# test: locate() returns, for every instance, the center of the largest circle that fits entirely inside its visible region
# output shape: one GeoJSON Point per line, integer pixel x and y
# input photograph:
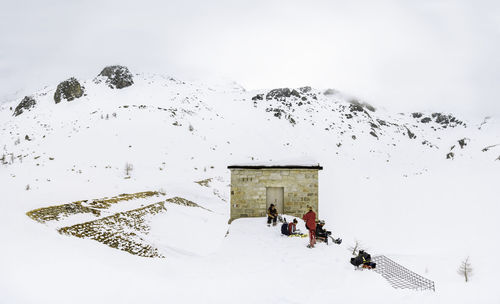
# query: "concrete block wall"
{"type": "Point", "coordinates": [248, 190]}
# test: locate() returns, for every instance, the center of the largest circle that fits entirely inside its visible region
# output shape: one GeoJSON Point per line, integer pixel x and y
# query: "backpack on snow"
{"type": "Point", "coordinates": [284, 229]}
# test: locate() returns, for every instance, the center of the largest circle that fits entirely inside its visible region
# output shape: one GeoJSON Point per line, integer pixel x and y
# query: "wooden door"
{"type": "Point", "coordinates": [274, 195]}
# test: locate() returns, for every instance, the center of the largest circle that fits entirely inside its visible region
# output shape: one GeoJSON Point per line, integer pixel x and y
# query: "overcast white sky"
{"type": "Point", "coordinates": [401, 55]}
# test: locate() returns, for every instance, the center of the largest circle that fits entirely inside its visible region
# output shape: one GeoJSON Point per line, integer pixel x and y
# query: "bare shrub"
{"type": "Point", "coordinates": [128, 168]}
{"type": "Point", "coordinates": [355, 248]}
{"type": "Point", "coordinates": [465, 269]}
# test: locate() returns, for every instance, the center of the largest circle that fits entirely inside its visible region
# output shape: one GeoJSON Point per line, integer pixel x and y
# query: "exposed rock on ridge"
{"type": "Point", "coordinates": [115, 76]}
{"type": "Point", "coordinates": [69, 89]}
{"type": "Point", "coordinates": [27, 103]}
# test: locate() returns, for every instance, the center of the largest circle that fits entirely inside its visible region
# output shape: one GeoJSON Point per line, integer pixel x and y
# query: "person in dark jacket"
{"type": "Point", "coordinates": [272, 215]}
{"type": "Point", "coordinates": [310, 219]}
{"type": "Point", "coordinates": [323, 234]}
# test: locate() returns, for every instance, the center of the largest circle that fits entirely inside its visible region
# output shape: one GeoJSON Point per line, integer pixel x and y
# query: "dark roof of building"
{"type": "Point", "coordinates": [317, 167]}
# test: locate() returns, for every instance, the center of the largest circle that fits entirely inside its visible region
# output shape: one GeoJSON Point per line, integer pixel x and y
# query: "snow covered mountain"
{"type": "Point", "coordinates": [419, 187]}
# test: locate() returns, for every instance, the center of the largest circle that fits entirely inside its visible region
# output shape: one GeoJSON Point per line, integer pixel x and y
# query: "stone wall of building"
{"type": "Point", "coordinates": [248, 190]}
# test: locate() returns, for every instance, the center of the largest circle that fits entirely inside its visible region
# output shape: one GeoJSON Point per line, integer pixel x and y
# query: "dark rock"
{"type": "Point", "coordinates": [372, 133]}
{"type": "Point", "coordinates": [425, 120]}
{"type": "Point", "coordinates": [450, 155]}
{"type": "Point", "coordinates": [348, 116]}
{"type": "Point", "coordinates": [355, 108]}
{"type": "Point", "coordinates": [258, 97]}
{"type": "Point", "coordinates": [69, 90]}
{"type": "Point", "coordinates": [417, 115]}
{"type": "Point", "coordinates": [305, 90]}
{"type": "Point", "coordinates": [282, 93]}
{"type": "Point", "coordinates": [27, 103]}
{"type": "Point", "coordinates": [446, 120]}
{"type": "Point", "coordinates": [411, 135]}
{"type": "Point", "coordinates": [463, 142]}
{"type": "Point", "coordinates": [373, 125]}
{"type": "Point", "coordinates": [116, 77]}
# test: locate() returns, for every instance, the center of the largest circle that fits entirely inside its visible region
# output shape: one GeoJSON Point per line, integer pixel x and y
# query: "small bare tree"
{"type": "Point", "coordinates": [128, 168]}
{"type": "Point", "coordinates": [27, 187]}
{"type": "Point", "coordinates": [465, 269]}
{"type": "Point", "coordinates": [355, 248]}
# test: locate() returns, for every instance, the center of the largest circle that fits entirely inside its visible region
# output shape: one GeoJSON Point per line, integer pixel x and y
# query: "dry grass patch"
{"type": "Point", "coordinates": [184, 202]}
{"type": "Point", "coordinates": [56, 213]}
{"type": "Point", "coordinates": [204, 182]}
{"type": "Point", "coordinates": [123, 230]}
{"type": "Point", "coordinates": [105, 203]}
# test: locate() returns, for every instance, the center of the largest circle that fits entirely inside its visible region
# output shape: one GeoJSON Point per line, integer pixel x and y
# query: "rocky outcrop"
{"type": "Point", "coordinates": [115, 76]}
{"type": "Point", "coordinates": [27, 103]}
{"type": "Point", "coordinates": [356, 105]}
{"type": "Point", "coordinates": [69, 89]}
{"type": "Point", "coordinates": [443, 120]}
{"type": "Point", "coordinates": [411, 135]}
{"type": "Point", "coordinates": [281, 94]}
{"type": "Point", "coordinates": [463, 142]}
{"type": "Point", "coordinates": [258, 97]}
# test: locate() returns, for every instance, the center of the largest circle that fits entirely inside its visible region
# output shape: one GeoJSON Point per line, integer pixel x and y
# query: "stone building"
{"type": "Point", "coordinates": [290, 188]}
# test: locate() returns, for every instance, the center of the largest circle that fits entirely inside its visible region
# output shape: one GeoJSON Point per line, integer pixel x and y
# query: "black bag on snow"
{"type": "Point", "coordinates": [284, 229]}
{"type": "Point", "coordinates": [356, 261]}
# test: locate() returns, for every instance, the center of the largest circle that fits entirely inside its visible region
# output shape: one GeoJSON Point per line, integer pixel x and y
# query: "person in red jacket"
{"type": "Point", "coordinates": [310, 219]}
{"type": "Point", "coordinates": [292, 227]}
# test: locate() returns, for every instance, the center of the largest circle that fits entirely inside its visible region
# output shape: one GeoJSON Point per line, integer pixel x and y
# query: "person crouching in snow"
{"type": "Point", "coordinates": [272, 215]}
{"type": "Point", "coordinates": [310, 219]}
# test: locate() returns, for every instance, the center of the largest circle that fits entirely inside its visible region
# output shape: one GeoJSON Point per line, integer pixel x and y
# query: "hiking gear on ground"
{"type": "Point", "coordinates": [284, 229]}
{"type": "Point", "coordinates": [363, 259]}
{"type": "Point", "coordinates": [301, 235]}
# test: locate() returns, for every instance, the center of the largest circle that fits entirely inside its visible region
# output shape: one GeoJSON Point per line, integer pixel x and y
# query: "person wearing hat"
{"type": "Point", "coordinates": [272, 215]}
{"type": "Point", "coordinates": [310, 219]}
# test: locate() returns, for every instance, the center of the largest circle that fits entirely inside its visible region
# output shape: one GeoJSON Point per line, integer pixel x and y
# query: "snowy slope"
{"type": "Point", "coordinates": [394, 190]}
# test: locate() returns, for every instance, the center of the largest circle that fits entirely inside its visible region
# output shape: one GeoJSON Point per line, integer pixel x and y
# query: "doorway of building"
{"type": "Point", "coordinates": [274, 195]}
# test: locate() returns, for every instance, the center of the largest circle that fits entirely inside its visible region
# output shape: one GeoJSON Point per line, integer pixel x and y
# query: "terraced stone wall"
{"type": "Point", "coordinates": [248, 190]}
